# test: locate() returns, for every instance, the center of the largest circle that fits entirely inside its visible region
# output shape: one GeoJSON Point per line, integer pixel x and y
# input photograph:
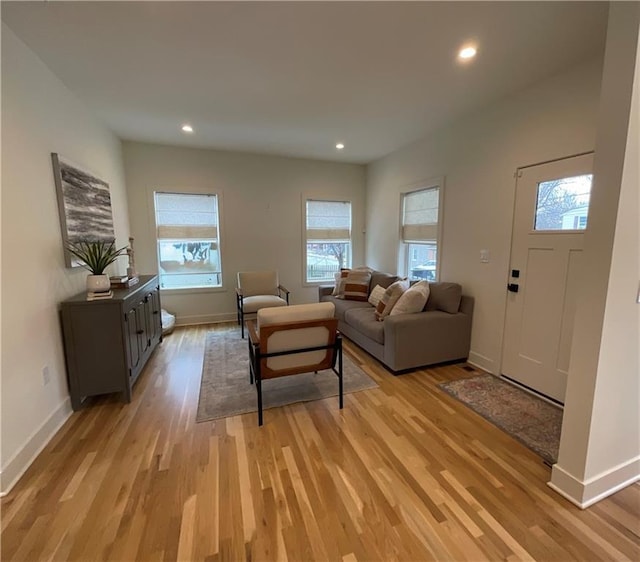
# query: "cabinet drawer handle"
{"type": "Point", "coordinates": [155, 312]}
{"type": "Point", "coordinates": [140, 332]}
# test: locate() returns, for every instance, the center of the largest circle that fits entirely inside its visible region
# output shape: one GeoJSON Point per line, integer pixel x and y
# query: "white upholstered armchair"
{"type": "Point", "coordinates": [297, 339]}
{"type": "Point", "coordinates": [256, 290]}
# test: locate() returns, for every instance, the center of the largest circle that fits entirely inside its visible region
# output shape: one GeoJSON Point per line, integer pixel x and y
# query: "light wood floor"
{"type": "Point", "coordinates": [404, 472]}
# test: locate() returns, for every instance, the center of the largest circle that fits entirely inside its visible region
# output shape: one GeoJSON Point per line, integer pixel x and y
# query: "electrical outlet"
{"type": "Point", "coordinates": [46, 376]}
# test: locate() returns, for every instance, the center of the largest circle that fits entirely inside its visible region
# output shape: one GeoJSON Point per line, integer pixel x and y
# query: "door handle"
{"type": "Point", "coordinates": [512, 287]}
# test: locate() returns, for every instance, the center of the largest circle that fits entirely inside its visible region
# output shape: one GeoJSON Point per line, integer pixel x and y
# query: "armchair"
{"type": "Point", "coordinates": [289, 341]}
{"type": "Point", "coordinates": [256, 290]}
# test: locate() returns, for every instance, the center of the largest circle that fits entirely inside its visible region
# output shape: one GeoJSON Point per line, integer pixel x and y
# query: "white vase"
{"type": "Point", "coordinates": [98, 283]}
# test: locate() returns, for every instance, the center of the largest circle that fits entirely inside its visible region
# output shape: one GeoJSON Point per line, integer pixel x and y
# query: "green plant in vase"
{"type": "Point", "coordinates": [95, 256]}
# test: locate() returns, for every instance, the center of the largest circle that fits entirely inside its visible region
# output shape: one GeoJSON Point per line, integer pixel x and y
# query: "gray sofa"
{"type": "Point", "coordinates": [438, 334]}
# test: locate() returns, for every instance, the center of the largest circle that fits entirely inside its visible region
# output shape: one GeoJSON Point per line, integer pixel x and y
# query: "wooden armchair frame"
{"type": "Point", "coordinates": [259, 354]}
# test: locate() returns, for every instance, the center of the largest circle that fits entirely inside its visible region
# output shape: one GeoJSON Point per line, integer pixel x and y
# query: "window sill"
{"type": "Point", "coordinates": [192, 291]}
{"type": "Point", "coordinates": [327, 283]}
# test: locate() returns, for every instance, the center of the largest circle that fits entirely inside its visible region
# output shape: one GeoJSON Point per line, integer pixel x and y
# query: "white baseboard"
{"type": "Point", "coordinates": [21, 461]}
{"type": "Point", "coordinates": [482, 362]}
{"type": "Point", "coordinates": [584, 493]}
{"type": "Point", "coordinates": [205, 319]}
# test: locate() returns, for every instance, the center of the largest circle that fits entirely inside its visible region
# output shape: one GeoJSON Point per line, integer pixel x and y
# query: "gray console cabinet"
{"type": "Point", "coordinates": [108, 342]}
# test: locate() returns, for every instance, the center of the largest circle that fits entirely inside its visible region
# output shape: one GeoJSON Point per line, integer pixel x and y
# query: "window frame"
{"type": "Point", "coordinates": [305, 240]}
{"type": "Point", "coordinates": [405, 245]}
{"type": "Point", "coordinates": [220, 237]}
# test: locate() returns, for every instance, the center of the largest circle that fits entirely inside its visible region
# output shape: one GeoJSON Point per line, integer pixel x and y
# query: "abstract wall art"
{"type": "Point", "coordinates": [84, 203]}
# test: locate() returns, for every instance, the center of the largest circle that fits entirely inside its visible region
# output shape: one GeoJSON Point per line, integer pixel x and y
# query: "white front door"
{"type": "Point", "coordinates": [551, 214]}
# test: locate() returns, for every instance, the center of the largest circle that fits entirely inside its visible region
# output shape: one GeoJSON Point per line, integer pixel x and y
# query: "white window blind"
{"type": "Point", "coordinates": [420, 215]}
{"type": "Point", "coordinates": [188, 240]}
{"type": "Point", "coordinates": [186, 216]}
{"type": "Point", "coordinates": [328, 221]}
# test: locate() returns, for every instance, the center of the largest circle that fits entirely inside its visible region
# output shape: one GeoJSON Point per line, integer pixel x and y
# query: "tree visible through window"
{"type": "Point", "coordinates": [563, 204]}
{"type": "Point", "coordinates": [188, 240]}
{"type": "Point", "coordinates": [328, 239]}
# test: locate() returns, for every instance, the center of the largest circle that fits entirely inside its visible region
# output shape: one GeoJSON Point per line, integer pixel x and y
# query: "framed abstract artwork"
{"type": "Point", "coordinates": [84, 203]}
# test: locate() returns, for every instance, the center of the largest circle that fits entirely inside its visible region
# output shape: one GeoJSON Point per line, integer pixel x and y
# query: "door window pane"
{"type": "Point", "coordinates": [563, 204]}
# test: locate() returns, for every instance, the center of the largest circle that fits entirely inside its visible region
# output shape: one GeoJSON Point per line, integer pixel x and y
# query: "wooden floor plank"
{"type": "Point", "coordinates": [404, 472]}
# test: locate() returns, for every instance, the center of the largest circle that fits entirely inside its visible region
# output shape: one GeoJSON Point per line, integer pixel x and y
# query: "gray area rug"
{"type": "Point", "coordinates": [531, 420]}
{"type": "Point", "coordinates": [225, 389]}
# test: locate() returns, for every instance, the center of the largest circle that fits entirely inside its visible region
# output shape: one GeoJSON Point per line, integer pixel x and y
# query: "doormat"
{"type": "Point", "coordinates": [225, 389]}
{"type": "Point", "coordinates": [529, 419]}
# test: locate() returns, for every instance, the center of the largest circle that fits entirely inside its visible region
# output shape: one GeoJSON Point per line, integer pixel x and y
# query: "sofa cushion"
{"type": "Point", "coordinates": [412, 300]}
{"type": "Point", "coordinates": [382, 279]}
{"type": "Point", "coordinates": [444, 296]}
{"type": "Point", "coordinates": [390, 297]}
{"type": "Point", "coordinates": [364, 320]}
{"type": "Point", "coordinates": [343, 305]}
{"type": "Point", "coordinates": [253, 304]}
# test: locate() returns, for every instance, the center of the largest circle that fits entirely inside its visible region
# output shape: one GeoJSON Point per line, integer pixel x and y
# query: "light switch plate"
{"type": "Point", "coordinates": [485, 256]}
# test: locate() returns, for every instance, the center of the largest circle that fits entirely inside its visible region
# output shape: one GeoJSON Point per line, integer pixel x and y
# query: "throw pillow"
{"type": "Point", "coordinates": [412, 300]}
{"type": "Point", "coordinates": [390, 297]}
{"type": "Point", "coordinates": [338, 287]}
{"type": "Point", "coordinates": [444, 296]}
{"type": "Point", "coordinates": [382, 279]}
{"type": "Point", "coordinates": [376, 294]}
{"type": "Point", "coordinates": [355, 286]}
{"type": "Point", "coordinates": [340, 276]}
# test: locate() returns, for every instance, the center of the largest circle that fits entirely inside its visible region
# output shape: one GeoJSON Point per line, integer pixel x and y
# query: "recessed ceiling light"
{"type": "Point", "coordinates": [339, 146]}
{"type": "Point", "coordinates": [187, 128]}
{"type": "Point", "coordinates": [467, 53]}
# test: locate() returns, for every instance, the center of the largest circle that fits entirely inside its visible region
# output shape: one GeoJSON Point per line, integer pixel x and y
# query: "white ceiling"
{"type": "Point", "coordinates": [294, 78]}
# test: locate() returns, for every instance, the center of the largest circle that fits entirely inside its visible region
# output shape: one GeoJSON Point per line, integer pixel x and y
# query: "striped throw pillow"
{"type": "Point", "coordinates": [390, 298]}
{"type": "Point", "coordinates": [354, 285]}
{"type": "Point", "coordinates": [339, 285]}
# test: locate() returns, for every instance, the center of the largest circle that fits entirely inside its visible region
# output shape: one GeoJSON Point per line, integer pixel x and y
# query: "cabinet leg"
{"type": "Point", "coordinates": [76, 403]}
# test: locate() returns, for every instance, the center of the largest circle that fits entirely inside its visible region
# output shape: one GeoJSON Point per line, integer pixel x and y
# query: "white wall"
{"type": "Point", "coordinates": [39, 116]}
{"type": "Point", "coordinates": [478, 157]}
{"type": "Point", "coordinates": [600, 443]}
{"type": "Point", "coordinates": [617, 403]}
{"type": "Point", "coordinates": [261, 215]}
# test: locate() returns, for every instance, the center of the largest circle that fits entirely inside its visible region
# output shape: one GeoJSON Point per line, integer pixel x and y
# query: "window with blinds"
{"type": "Point", "coordinates": [327, 239]}
{"type": "Point", "coordinates": [420, 232]}
{"type": "Point", "coordinates": [188, 240]}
